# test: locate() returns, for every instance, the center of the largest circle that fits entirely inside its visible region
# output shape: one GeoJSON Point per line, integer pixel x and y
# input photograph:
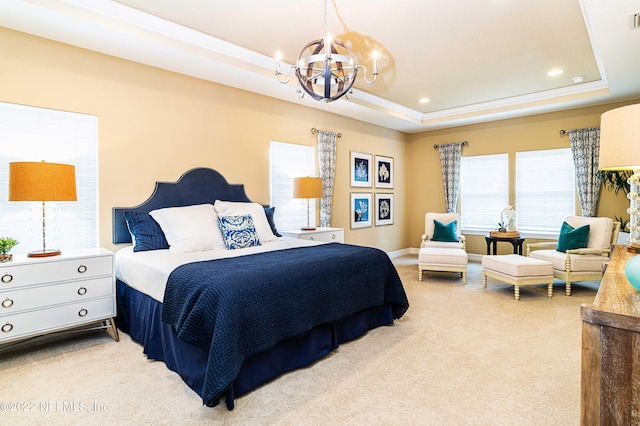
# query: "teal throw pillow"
{"type": "Point", "coordinates": [571, 239]}
{"type": "Point", "coordinates": [445, 233]}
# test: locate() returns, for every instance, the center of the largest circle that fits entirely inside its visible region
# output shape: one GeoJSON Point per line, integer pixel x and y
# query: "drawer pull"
{"type": "Point", "coordinates": [83, 312]}
{"type": "Point", "coordinates": [82, 269]}
{"type": "Point", "coordinates": [7, 328]}
{"type": "Point", "coordinates": [82, 291]}
{"type": "Point", "coordinates": [311, 239]}
{"type": "Point", "coordinates": [333, 236]}
{"type": "Point", "coordinates": [7, 303]}
{"type": "Point", "coordinates": [7, 278]}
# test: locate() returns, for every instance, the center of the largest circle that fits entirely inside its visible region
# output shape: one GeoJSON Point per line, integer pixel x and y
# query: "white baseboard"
{"type": "Point", "coordinates": [403, 252]}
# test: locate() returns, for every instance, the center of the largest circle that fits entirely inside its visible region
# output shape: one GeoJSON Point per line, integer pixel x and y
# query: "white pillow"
{"type": "Point", "coordinates": [230, 208]}
{"type": "Point", "coordinates": [600, 229]}
{"type": "Point", "coordinates": [190, 229]}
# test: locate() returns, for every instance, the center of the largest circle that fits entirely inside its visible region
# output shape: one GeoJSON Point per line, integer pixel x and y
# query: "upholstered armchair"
{"type": "Point", "coordinates": [574, 260]}
{"type": "Point", "coordinates": [443, 247]}
{"type": "Point", "coordinates": [445, 219]}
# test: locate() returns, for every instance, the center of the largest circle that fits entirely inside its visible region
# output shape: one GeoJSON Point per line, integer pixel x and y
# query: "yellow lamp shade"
{"type": "Point", "coordinates": [307, 187]}
{"type": "Point", "coordinates": [32, 181]}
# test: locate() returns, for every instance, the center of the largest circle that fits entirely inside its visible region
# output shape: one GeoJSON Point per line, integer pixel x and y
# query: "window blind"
{"type": "Point", "coordinates": [545, 189]}
{"type": "Point", "coordinates": [35, 134]}
{"type": "Point", "coordinates": [288, 161]}
{"type": "Point", "coordinates": [484, 190]}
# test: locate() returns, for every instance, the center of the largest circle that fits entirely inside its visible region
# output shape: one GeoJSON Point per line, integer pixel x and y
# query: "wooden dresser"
{"type": "Point", "coordinates": [611, 349]}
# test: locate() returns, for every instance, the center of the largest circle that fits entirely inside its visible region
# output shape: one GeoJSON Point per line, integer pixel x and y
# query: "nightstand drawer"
{"type": "Point", "coordinates": [45, 320]}
{"type": "Point", "coordinates": [329, 236]}
{"type": "Point", "coordinates": [14, 301]}
{"type": "Point", "coordinates": [40, 272]}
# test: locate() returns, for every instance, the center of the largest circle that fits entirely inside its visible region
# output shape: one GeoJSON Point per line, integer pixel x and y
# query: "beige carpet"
{"type": "Point", "coordinates": [460, 356]}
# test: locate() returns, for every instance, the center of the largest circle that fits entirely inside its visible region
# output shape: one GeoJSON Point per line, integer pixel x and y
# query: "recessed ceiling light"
{"type": "Point", "coordinates": [424, 100]}
{"type": "Point", "coordinates": [554, 73]}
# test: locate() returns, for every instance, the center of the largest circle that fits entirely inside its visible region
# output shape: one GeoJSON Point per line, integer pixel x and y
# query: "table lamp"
{"type": "Point", "coordinates": [620, 150]}
{"type": "Point", "coordinates": [32, 181]}
{"type": "Point", "coordinates": [307, 187]}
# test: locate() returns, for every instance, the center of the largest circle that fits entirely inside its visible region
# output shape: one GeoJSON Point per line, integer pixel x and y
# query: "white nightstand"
{"type": "Point", "coordinates": [51, 294]}
{"type": "Point", "coordinates": [335, 235]}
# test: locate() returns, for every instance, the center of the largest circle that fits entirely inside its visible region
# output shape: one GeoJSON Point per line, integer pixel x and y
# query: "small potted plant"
{"type": "Point", "coordinates": [617, 181]}
{"type": "Point", "coordinates": [6, 244]}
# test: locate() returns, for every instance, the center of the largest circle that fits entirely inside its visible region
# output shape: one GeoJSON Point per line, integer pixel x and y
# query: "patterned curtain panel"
{"type": "Point", "coordinates": [327, 161]}
{"type": "Point", "coordinates": [450, 162]}
{"type": "Point", "coordinates": [585, 146]}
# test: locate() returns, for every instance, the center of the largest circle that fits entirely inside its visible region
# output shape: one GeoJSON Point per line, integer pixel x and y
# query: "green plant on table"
{"type": "Point", "coordinates": [617, 181]}
{"type": "Point", "coordinates": [623, 222]}
{"type": "Point", "coordinates": [6, 244]}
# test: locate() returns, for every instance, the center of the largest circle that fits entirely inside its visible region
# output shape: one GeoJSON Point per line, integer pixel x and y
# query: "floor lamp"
{"type": "Point", "coordinates": [307, 187]}
{"type": "Point", "coordinates": [31, 181]}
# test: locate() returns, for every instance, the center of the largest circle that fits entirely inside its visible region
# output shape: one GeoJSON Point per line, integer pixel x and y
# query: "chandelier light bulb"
{"type": "Point", "coordinates": [375, 61]}
{"type": "Point", "coordinates": [278, 57]}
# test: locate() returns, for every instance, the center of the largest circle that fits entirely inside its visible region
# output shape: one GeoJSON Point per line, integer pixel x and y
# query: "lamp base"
{"type": "Point", "coordinates": [308, 228]}
{"type": "Point", "coordinates": [633, 249]}
{"type": "Point", "coordinates": [44, 253]}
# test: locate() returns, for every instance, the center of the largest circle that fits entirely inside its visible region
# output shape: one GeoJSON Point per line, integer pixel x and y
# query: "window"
{"type": "Point", "coordinates": [545, 189]}
{"type": "Point", "coordinates": [36, 134]}
{"type": "Point", "coordinates": [484, 186]}
{"type": "Point", "coordinates": [286, 162]}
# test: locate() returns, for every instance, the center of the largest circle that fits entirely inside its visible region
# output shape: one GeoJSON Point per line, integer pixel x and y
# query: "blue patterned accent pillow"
{"type": "Point", "coordinates": [147, 234]}
{"type": "Point", "coordinates": [238, 231]}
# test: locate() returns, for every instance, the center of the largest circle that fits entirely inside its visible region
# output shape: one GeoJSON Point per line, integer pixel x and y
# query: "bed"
{"type": "Point", "coordinates": [230, 316]}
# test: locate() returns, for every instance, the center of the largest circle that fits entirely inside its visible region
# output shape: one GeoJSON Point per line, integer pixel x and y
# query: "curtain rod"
{"type": "Point", "coordinates": [562, 132]}
{"type": "Point", "coordinates": [314, 131]}
{"type": "Point", "coordinates": [463, 143]}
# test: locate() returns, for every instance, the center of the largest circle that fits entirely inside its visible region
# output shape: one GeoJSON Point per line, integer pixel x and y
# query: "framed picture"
{"type": "Point", "coordinates": [361, 169]}
{"type": "Point", "coordinates": [361, 210]}
{"type": "Point", "coordinates": [384, 209]}
{"type": "Point", "coordinates": [384, 172]}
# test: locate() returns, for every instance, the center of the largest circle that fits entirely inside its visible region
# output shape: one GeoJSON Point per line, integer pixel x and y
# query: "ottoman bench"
{"type": "Point", "coordinates": [443, 260]}
{"type": "Point", "coordinates": [517, 270]}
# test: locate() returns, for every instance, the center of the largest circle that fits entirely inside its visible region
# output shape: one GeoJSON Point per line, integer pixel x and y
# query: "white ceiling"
{"type": "Point", "coordinates": [477, 60]}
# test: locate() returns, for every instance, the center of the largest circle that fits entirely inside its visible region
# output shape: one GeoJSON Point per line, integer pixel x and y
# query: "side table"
{"type": "Point", "coordinates": [331, 235]}
{"type": "Point", "coordinates": [493, 241]}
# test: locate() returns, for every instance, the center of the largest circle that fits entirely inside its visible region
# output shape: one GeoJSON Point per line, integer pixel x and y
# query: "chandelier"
{"type": "Point", "coordinates": [326, 69]}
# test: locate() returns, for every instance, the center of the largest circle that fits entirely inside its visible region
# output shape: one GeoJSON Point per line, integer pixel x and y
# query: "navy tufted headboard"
{"type": "Point", "coordinates": [196, 186]}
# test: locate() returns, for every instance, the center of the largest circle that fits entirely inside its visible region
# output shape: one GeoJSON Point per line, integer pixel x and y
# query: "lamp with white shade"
{"type": "Point", "coordinates": [620, 150]}
{"type": "Point", "coordinates": [307, 187]}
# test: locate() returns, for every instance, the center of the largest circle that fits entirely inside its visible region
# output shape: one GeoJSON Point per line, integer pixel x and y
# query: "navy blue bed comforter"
{"type": "Point", "coordinates": [237, 307]}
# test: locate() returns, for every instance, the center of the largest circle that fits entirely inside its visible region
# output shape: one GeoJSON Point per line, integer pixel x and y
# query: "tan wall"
{"type": "Point", "coordinates": [424, 178]}
{"type": "Point", "coordinates": [155, 125]}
